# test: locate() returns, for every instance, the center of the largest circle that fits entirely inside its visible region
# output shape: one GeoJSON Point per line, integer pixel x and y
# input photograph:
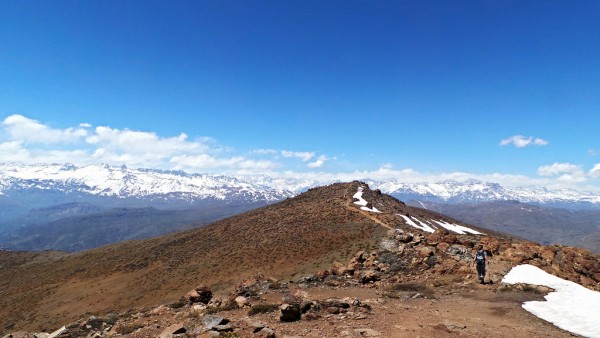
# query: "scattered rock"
{"type": "Point", "coordinates": [200, 294]}
{"type": "Point", "coordinates": [426, 251]}
{"type": "Point", "coordinates": [255, 325]}
{"type": "Point", "coordinates": [290, 312]}
{"type": "Point", "coordinates": [367, 333]}
{"type": "Point", "coordinates": [223, 328]}
{"type": "Point", "coordinates": [58, 332]}
{"type": "Point", "coordinates": [210, 321]}
{"type": "Point", "coordinates": [367, 276]}
{"type": "Point", "coordinates": [241, 301]}
{"type": "Point", "coordinates": [265, 333]}
{"type": "Point", "coordinates": [172, 330]}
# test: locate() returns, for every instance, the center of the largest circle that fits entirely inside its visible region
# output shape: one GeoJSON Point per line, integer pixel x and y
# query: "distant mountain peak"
{"type": "Point", "coordinates": [475, 191]}
{"type": "Point", "coordinates": [123, 182]}
{"type": "Point", "coordinates": [103, 180]}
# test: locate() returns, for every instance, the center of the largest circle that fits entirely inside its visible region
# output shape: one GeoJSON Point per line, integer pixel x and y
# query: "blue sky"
{"type": "Point", "coordinates": [379, 88]}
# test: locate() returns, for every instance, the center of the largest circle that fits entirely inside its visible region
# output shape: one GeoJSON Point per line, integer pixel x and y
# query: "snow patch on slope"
{"type": "Point", "coordinates": [422, 225]}
{"type": "Point", "coordinates": [362, 202]}
{"type": "Point", "coordinates": [571, 306]}
{"type": "Point", "coordinates": [459, 229]}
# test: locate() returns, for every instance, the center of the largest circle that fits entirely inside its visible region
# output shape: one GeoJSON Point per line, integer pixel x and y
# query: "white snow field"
{"type": "Point", "coordinates": [362, 202]}
{"type": "Point", "coordinates": [571, 306]}
{"type": "Point", "coordinates": [422, 226]}
{"type": "Point", "coordinates": [459, 229]}
{"type": "Point", "coordinates": [426, 225]}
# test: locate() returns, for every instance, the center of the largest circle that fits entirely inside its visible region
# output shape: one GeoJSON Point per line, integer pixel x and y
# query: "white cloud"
{"type": "Point", "coordinates": [593, 152]}
{"type": "Point", "coordinates": [29, 141]}
{"type": "Point", "coordinates": [318, 163]}
{"type": "Point", "coordinates": [558, 168]}
{"type": "Point", "coordinates": [264, 151]}
{"type": "Point", "coordinates": [303, 155]}
{"type": "Point", "coordinates": [521, 141]}
{"type": "Point", "coordinates": [204, 162]}
{"type": "Point", "coordinates": [595, 171]}
{"type": "Point", "coordinates": [15, 151]}
{"type": "Point", "coordinates": [12, 151]}
{"type": "Point", "coordinates": [23, 140]}
{"type": "Point", "coordinates": [21, 128]}
{"type": "Point", "coordinates": [565, 172]}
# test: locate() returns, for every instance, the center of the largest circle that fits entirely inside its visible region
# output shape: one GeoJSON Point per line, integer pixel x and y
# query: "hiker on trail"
{"type": "Point", "coordinates": [479, 262]}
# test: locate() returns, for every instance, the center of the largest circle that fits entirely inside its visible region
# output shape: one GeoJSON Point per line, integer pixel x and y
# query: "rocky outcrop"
{"type": "Point", "coordinates": [200, 294]}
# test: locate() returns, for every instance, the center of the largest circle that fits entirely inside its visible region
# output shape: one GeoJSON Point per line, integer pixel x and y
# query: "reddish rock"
{"type": "Point", "coordinates": [450, 239]}
{"type": "Point", "coordinates": [321, 274]}
{"type": "Point", "coordinates": [490, 244]}
{"type": "Point", "coordinates": [173, 330]}
{"type": "Point", "coordinates": [367, 276]}
{"type": "Point", "coordinates": [443, 246]}
{"type": "Point", "coordinates": [548, 254]}
{"type": "Point", "coordinates": [333, 310]}
{"type": "Point", "coordinates": [200, 294]}
{"type": "Point", "coordinates": [338, 269]}
{"type": "Point", "coordinates": [426, 251]}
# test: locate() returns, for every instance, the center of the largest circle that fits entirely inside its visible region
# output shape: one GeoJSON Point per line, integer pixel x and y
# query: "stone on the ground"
{"type": "Point", "coordinates": [265, 333]}
{"type": "Point", "coordinates": [241, 301]}
{"type": "Point", "coordinates": [172, 330]}
{"type": "Point", "coordinates": [290, 312]}
{"type": "Point", "coordinates": [58, 332]}
{"type": "Point", "coordinates": [210, 321]}
{"type": "Point", "coordinates": [200, 294]}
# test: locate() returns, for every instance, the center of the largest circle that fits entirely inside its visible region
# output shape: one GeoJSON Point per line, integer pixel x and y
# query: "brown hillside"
{"type": "Point", "coordinates": [288, 240]}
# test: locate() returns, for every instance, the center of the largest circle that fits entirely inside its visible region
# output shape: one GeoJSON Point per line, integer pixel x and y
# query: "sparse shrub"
{"type": "Point", "coordinates": [277, 286]}
{"type": "Point", "coordinates": [431, 260]}
{"type": "Point", "coordinates": [312, 316]}
{"type": "Point", "coordinates": [72, 325]}
{"type": "Point", "coordinates": [402, 289]}
{"type": "Point", "coordinates": [111, 319]}
{"type": "Point", "coordinates": [228, 335]}
{"type": "Point", "coordinates": [176, 305]}
{"type": "Point", "coordinates": [127, 329]}
{"type": "Point", "coordinates": [394, 261]}
{"type": "Point", "coordinates": [226, 307]}
{"type": "Point", "coordinates": [407, 287]}
{"type": "Point", "coordinates": [262, 308]}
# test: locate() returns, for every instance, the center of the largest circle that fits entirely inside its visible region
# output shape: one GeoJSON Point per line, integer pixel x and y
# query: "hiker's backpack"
{"type": "Point", "coordinates": [480, 257]}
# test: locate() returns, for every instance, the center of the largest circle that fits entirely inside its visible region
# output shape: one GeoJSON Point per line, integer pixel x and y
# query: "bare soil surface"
{"type": "Point", "coordinates": [460, 310]}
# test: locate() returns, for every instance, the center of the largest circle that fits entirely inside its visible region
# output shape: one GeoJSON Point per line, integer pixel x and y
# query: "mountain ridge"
{"type": "Point", "coordinates": [290, 238]}
{"type": "Point", "coordinates": [178, 186]}
{"type": "Point", "coordinates": [342, 239]}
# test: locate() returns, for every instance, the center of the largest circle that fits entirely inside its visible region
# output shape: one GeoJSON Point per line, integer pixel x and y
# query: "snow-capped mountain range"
{"type": "Point", "coordinates": [474, 191]}
{"type": "Point", "coordinates": [147, 184]}
{"type": "Point", "coordinates": [122, 182]}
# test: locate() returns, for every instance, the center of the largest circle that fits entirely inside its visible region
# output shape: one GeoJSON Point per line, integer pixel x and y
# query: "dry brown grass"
{"type": "Point", "coordinates": [290, 238]}
{"type": "Point", "coordinates": [286, 240]}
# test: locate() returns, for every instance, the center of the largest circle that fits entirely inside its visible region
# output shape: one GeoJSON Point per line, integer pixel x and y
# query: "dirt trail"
{"type": "Point", "coordinates": [461, 309]}
{"type": "Point", "coordinates": [351, 206]}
